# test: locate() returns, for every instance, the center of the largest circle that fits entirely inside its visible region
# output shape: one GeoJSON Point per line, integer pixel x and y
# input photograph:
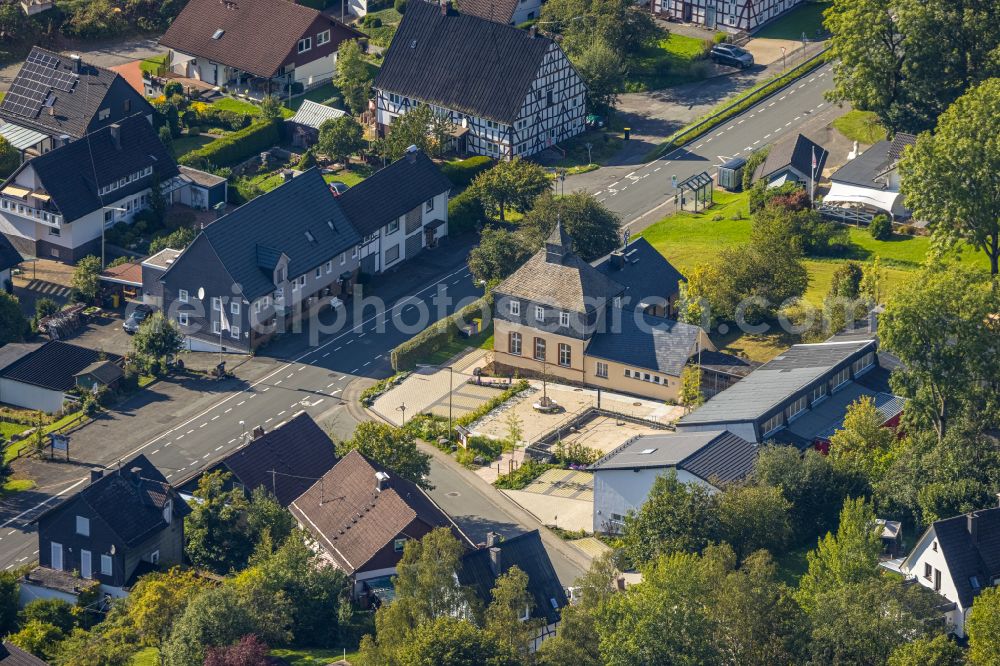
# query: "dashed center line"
{"type": "Point", "coordinates": [154, 452]}
{"type": "Point", "coordinates": [218, 447]}
{"type": "Point", "coordinates": [215, 417]}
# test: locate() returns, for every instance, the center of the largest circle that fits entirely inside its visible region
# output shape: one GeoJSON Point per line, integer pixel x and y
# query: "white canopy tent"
{"type": "Point", "coordinates": [865, 196]}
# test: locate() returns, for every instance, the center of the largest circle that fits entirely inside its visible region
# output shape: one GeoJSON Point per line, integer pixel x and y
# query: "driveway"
{"type": "Point", "coordinates": [102, 54]}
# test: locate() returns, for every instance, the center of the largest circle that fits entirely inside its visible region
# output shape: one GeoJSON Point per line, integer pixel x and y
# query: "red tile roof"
{"type": "Point", "coordinates": [130, 273]}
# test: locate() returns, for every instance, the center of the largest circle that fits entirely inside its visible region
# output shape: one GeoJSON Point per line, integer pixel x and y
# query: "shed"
{"type": "Point", "coordinates": [123, 281]}
{"type": "Point", "coordinates": [38, 377]}
{"type": "Point", "coordinates": [792, 160]}
{"type": "Point", "coordinates": [205, 190]}
{"type": "Point", "coordinates": [304, 126]}
{"type": "Point", "coordinates": [731, 174]}
{"type": "Point", "coordinates": [98, 374]}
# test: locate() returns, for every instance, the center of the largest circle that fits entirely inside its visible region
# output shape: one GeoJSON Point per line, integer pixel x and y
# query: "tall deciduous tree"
{"type": "Point", "coordinates": [574, 644]}
{"type": "Point", "coordinates": [983, 627]}
{"type": "Point", "coordinates": [390, 447]}
{"type": "Point", "coordinates": [623, 25]}
{"type": "Point", "coordinates": [410, 129]}
{"type": "Point", "coordinates": [217, 537]}
{"type": "Point", "coordinates": [937, 651]}
{"type": "Point", "coordinates": [339, 138]}
{"type": "Point", "coordinates": [949, 176]}
{"type": "Point", "coordinates": [157, 338]}
{"type": "Point", "coordinates": [863, 446]}
{"type": "Point", "coordinates": [85, 278]}
{"type": "Point", "coordinates": [603, 70]}
{"type": "Point", "coordinates": [595, 230]}
{"type": "Point", "coordinates": [353, 76]}
{"type": "Point", "coordinates": [941, 326]}
{"type": "Point", "coordinates": [447, 640]}
{"type": "Point", "coordinates": [691, 395]}
{"type": "Point", "coordinates": [500, 252]}
{"type": "Point", "coordinates": [13, 324]}
{"type": "Point", "coordinates": [511, 184]}
{"type": "Point", "coordinates": [10, 158]}
{"type": "Point", "coordinates": [753, 518]}
{"type": "Point", "coordinates": [157, 600]}
{"type": "Point", "coordinates": [504, 616]}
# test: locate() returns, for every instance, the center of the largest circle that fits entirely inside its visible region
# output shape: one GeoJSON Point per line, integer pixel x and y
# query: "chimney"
{"type": "Point", "coordinates": [972, 524]}
{"type": "Point", "coordinates": [96, 474]}
{"type": "Point", "coordinates": [411, 154]}
{"type": "Point", "coordinates": [445, 7]}
{"type": "Point", "coordinates": [135, 474]}
{"type": "Point", "coordinates": [492, 539]}
{"type": "Point", "coordinates": [532, 31]}
{"type": "Point", "coordinates": [220, 209]}
{"type": "Point", "coordinates": [620, 583]}
{"type": "Point", "coordinates": [381, 481]}
{"type": "Point", "coordinates": [77, 63]}
{"type": "Point", "coordinates": [617, 260]}
{"type": "Point", "coordinates": [52, 110]}
{"type": "Point", "coordinates": [116, 135]}
{"type": "Point", "coordinates": [286, 175]}
{"type": "Point", "coordinates": [495, 561]}
{"type": "Point", "coordinates": [257, 433]}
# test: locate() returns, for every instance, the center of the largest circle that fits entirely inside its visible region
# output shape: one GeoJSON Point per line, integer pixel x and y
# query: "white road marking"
{"type": "Point", "coordinates": [771, 104]}
{"type": "Point", "coordinates": [326, 354]}
{"type": "Point", "coordinates": [629, 175]}
{"type": "Point", "coordinates": [215, 417]}
{"type": "Point", "coordinates": [699, 146]}
{"type": "Point", "coordinates": [282, 412]}
{"type": "Point", "coordinates": [179, 438]}
{"type": "Point", "coordinates": [240, 403]}
{"type": "Point", "coordinates": [231, 441]}
{"type": "Point", "coordinates": [378, 357]}
{"type": "Point", "coordinates": [189, 431]}
{"type": "Point", "coordinates": [742, 121]}
{"type": "Point", "coordinates": [756, 142]}
{"type": "Point", "coordinates": [766, 135]}
{"type": "Point", "coordinates": [290, 375]}
{"type": "Point", "coordinates": [349, 342]}
{"type": "Point", "coordinates": [264, 390]}
{"type": "Point", "coordinates": [154, 452]}
{"type": "Point", "coordinates": [278, 382]}
{"type": "Point", "coordinates": [338, 349]}
{"type": "Point", "coordinates": [342, 378]}
{"type": "Point", "coordinates": [657, 169]}
{"type": "Point", "coordinates": [205, 456]}
{"type": "Point", "coordinates": [331, 384]}
{"type": "Point", "coordinates": [203, 424]}
{"type": "Point", "coordinates": [218, 447]}
{"type": "Point", "coordinates": [720, 133]}
{"type": "Point", "coordinates": [269, 420]}
{"type": "Point", "coordinates": [366, 364]}
{"type": "Point", "coordinates": [228, 410]}
{"type": "Point", "coordinates": [336, 392]}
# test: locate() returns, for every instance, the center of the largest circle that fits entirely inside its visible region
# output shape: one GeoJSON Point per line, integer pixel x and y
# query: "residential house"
{"type": "Point", "coordinates": [398, 211]}
{"type": "Point", "coordinates": [515, 98]}
{"type": "Point", "coordinates": [511, 12]}
{"type": "Point", "coordinates": [792, 160]}
{"type": "Point", "coordinates": [255, 46]}
{"type": "Point", "coordinates": [869, 184]}
{"type": "Point", "coordinates": [125, 522]}
{"type": "Point", "coordinates": [38, 376]}
{"type": "Point", "coordinates": [801, 396]}
{"type": "Point", "coordinates": [651, 283]}
{"type": "Point", "coordinates": [480, 569]}
{"type": "Point", "coordinates": [253, 272]}
{"type": "Point", "coordinates": [362, 515]}
{"type": "Point", "coordinates": [56, 99]}
{"type": "Point", "coordinates": [624, 477]}
{"type": "Point", "coordinates": [153, 268]}
{"type": "Point", "coordinates": [731, 15]}
{"type": "Point", "coordinates": [56, 205]}
{"type": "Point", "coordinates": [286, 460]}
{"type": "Point", "coordinates": [10, 259]}
{"type": "Point", "coordinates": [958, 558]}
{"type": "Point", "coordinates": [11, 655]}
{"type": "Point", "coordinates": [197, 189]}
{"type": "Point", "coordinates": [559, 316]}
{"type": "Point", "coordinates": [303, 127]}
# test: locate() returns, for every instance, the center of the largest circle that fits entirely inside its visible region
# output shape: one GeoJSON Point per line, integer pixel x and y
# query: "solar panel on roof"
{"type": "Point", "coordinates": [38, 76]}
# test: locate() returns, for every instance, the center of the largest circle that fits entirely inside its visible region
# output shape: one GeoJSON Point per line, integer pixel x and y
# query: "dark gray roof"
{"type": "Point", "coordinates": [462, 62]}
{"type": "Point", "coordinates": [54, 365]}
{"type": "Point", "coordinates": [104, 371]}
{"type": "Point", "coordinates": [73, 174]}
{"type": "Point", "coordinates": [773, 383]}
{"type": "Point", "coordinates": [796, 153]}
{"type": "Point", "coordinates": [556, 276]}
{"type": "Point", "coordinates": [15, 351]}
{"type": "Point", "coordinates": [865, 168]}
{"type": "Point", "coordinates": [11, 655]}
{"type": "Point", "coordinates": [528, 554]}
{"type": "Point", "coordinates": [644, 272]}
{"type": "Point", "coordinates": [9, 256]}
{"type": "Point", "coordinates": [827, 417]}
{"type": "Point", "coordinates": [968, 558]}
{"type": "Point", "coordinates": [646, 342]}
{"type": "Point", "coordinates": [899, 143]}
{"type": "Point", "coordinates": [275, 223]}
{"type": "Point", "coordinates": [48, 78]}
{"type": "Point", "coordinates": [708, 454]}
{"type": "Point", "coordinates": [501, 11]}
{"type": "Point", "coordinates": [299, 452]}
{"type": "Point", "coordinates": [394, 191]}
{"type": "Point", "coordinates": [132, 508]}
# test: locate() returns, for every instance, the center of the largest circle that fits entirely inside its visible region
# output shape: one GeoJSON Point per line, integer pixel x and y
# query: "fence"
{"type": "Point", "coordinates": [541, 448]}
{"type": "Point", "coordinates": [855, 216]}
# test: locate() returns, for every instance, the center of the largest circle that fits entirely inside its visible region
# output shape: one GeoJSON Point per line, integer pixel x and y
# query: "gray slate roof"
{"type": "Point", "coordinates": [11, 655]}
{"type": "Point", "coordinates": [557, 277]}
{"type": "Point", "coordinates": [864, 168]}
{"type": "Point", "coordinates": [462, 62]}
{"type": "Point", "coordinates": [773, 383]}
{"type": "Point", "coordinates": [826, 418]}
{"type": "Point", "coordinates": [968, 558]}
{"type": "Point", "coordinates": [645, 273]}
{"type": "Point", "coordinates": [104, 371]}
{"type": "Point", "coordinates": [313, 114]}
{"type": "Point", "coordinates": [68, 173]}
{"type": "Point", "coordinates": [710, 454]}
{"type": "Point", "coordinates": [9, 256]}
{"type": "Point", "coordinates": [528, 554]}
{"type": "Point", "coordinates": [277, 222]}
{"type": "Point", "coordinates": [646, 342]}
{"type": "Point", "coordinates": [392, 192]}
{"type": "Point", "coordinates": [796, 153]}
{"type": "Point", "coordinates": [501, 11]}
{"type": "Point", "coordinates": [54, 365]}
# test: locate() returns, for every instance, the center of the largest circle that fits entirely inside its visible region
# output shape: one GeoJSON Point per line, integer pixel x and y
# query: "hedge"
{"type": "Point", "coordinates": [491, 404]}
{"type": "Point", "coordinates": [437, 335]}
{"type": "Point", "coordinates": [462, 172]}
{"type": "Point", "coordinates": [465, 213]}
{"type": "Point", "coordinates": [236, 147]}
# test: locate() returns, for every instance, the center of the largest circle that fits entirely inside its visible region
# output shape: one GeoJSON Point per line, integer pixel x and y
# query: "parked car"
{"type": "Point", "coordinates": [139, 315]}
{"type": "Point", "coordinates": [732, 55]}
{"type": "Point", "coordinates": [337, 187]}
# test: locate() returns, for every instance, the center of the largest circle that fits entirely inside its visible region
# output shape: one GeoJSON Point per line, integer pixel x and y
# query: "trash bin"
{"type": "Point", "coordinates": [115, 300]}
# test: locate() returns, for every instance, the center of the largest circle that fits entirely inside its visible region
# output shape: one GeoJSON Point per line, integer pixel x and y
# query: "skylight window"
{"type": "Point", "coordinates": [218, 33]}
{"type": "Point", "coordinates": [646, 452]}
{"type": "Point", "coordinates": [310, 237]}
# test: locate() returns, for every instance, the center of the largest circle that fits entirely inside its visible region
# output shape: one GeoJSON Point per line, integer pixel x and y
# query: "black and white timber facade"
{"type": "Point", "coordinates": [746, 15]}
{"type": "Point", "coordinates": [510, 93]}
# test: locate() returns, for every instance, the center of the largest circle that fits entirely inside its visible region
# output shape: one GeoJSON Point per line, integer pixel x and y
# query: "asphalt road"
{"type": "Point", "coordinates": [643, 194]}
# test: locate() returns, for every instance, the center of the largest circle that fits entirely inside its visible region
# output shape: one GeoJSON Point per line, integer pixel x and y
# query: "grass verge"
{"type": "Point", "coordinates": [672, 61]}
{"type": "Point", "coordinates": [314, 656]}
{"type": "Point", "coordinates": [806, 19]}
{"type": "Point", "coordinates": [860, 126]}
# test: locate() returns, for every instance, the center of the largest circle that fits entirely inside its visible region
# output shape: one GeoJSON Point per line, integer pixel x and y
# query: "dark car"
{"type": "Point", "coordinates": [337, 187]}
{"type": "Point", "coordinates": [732, 55]}
{"type": "Point", "coordinates": [139, 315]}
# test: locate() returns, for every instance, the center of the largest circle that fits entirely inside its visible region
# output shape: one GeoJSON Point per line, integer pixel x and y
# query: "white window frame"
{"type": "Point", "coordinates": [107, 565]}
{"type": "Point", "coordinates": [429, 205]}
{"type": "Point", "coordinates": [343, 258]}
{"type": "Point", "coordinates": [182, 318]}
{"type": "Point", "coordinates": [841, 377]}
{"type": "Point", "coordinates": [322, 38]}
{"type": "Point", "coordinates": [565, 349]}
{"type": "Point", "coordinates": [772, 424]}
{"type": "Point", "coordinates": [819, 393]}
{"type": "Point", "coordinates": [83, 526]}
{"type": "Point", "coordinates": [234, 332]}
{"type": "Point", "coordinates": [800, 405]}
{"type": "Point", "coordinates": [398, 545]}
{"type": "Point", "coordinates": [564, 319]}
{"type": "Point", "coordinates": [392, 227]}
{"type": "Point", "coordinates": [515, 308]}
{"type": "Point", "coordinates": [319, 272]}
{"type": "Point", "coordinates": [216, 327]}
{"type": "Point", "coordinates": [305, 44]}
{"type": "Point", "coordinates": [234, 308]}
{"type": "Point", "coordinates": [540, 314]}
{"type": "Point", "coordinates": [329, 265]}
{"type": "Point", "coordinates": [515, 336]}
{"type": "Point", "coordinates": [217, 303]}
{"type": "Point", "coordinates": [602, 369]}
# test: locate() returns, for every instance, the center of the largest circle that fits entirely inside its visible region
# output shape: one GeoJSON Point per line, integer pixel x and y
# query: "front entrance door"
{"type": "Point", "coordinates": [86, 569]}
{"type": "Point", "coordinates": [688, 12]}
{"type": "Point", "coordinates": [57, 562]}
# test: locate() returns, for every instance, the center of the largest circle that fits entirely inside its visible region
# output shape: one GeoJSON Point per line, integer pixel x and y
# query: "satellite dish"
{"type": "Point", "coordinates": [201, 293]}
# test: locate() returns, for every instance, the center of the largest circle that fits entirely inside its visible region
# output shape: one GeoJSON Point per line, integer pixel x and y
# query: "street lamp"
{"type": "Point", "coordinates": [402, 408]}
{"type": "Point", "coordinates": [104, 225]}
{"type": "Point", "coordinates": [451, 375]}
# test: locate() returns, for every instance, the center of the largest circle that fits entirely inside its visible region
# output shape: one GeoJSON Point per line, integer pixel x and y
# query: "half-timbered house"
{"type": "Point", "coordinates": [745, 15]}
{"type": "Point", "coordinates": [509, 92]}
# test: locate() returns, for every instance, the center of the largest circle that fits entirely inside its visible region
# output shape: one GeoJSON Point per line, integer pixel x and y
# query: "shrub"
{"type": "Point", "coordinates": [399, 6]}
{"type": "Point", "coordinates": [173, 88]}
{"type": "Point", "coordinates": [755, 160]}
{"type": "Point", "coordinates": [719, 38]}
{"type": "Point", "coordinates": [522, 477]}
{"type": "Point", "coordinates": [574, 454]}
{"type": "Point", "coordinates": [369, 395]}
{"type": "Point", "coordinates": [435, 336]}
{"type": "Point", "coordinates": [880, 227]}
{"type": "Point", "coordinates": [491, 404]}
{"type": "Point", "coordinates": [465, 212]}
{"type": "Point", "coordinates": [908, 230]}
{"type": "Point", "coordinates": [307, 161]}
{"type": "Point", "coordinates": [177, 240]}
{"type": "Point", "coordinates": [462, 172]}
{"type": "Point", "coordinates": [486, 447]}
{"type": "Point", "coordinates": [238, 146]}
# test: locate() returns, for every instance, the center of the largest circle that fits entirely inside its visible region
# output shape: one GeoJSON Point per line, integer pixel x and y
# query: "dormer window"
{"type": "Point", "coordinates": [515, 308]}
{"type": "Point", "coordinates": [564, 319]}
{"type": "Point", "coordinates": [540, 313]}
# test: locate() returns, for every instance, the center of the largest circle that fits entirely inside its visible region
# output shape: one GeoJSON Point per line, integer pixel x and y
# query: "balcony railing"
{"type": "Point", "coordinates": [18, 207]}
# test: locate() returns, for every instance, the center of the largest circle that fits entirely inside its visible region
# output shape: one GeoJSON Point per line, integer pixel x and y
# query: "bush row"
{"type": "Point", "coordinates": [462, 172]}
{"type": "Point", "coordinates": [491, 404]}
{"type": "Point", "coordinates": [437, 335]}
{"type": "Point", "coordinates": [236, 147]}
{"type": "Point", "coordinates": [465, 213]}
{"type": "Point", "coordinates": [369, 395]}
{"type": "Point", "coordinates": [522, 477]}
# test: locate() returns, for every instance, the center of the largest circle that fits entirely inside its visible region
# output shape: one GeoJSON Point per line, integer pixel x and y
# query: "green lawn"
{"type": "Point", "coordinates": [154, 65]}
{"type": "Point", "coordinates": [674, 60]}
{"type": "Point", "coordinates": [146, 657]}
{"type": "Point", "coordinates": [860, 126]}
{"type": "Point", "coordinates": [457, 346]}
{"type": "Point", "coordinates": [185, 144]}
{"type": "Point", "coordinates": [792, 565]}
{"type": "Point", "coordinates": [327, 93]}
{"type": "Point", "coordinates": [17, 485]}
{"type": "Point", "coordinates": [237, 106]}
{"type": "Point", "coordinates": [314, 656]}
{"type": "Point", "coordinates": [603, 145]}
{"type": "Point", "coordinates": [350, 176]}
{"type": "Point", "coordinates": [806, 18]}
